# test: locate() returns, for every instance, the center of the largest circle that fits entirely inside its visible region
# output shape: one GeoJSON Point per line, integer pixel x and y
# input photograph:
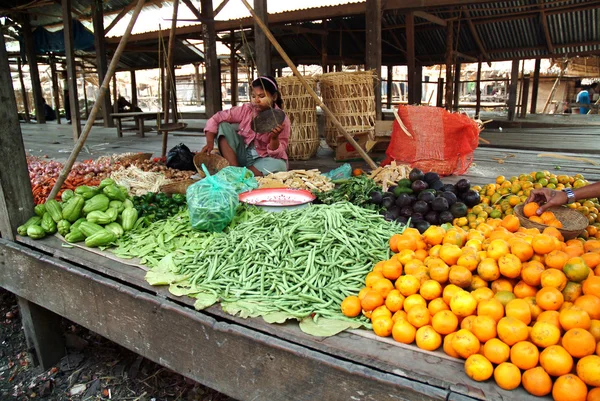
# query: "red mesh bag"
{"type": "Point", "coordinates": [441, 141]}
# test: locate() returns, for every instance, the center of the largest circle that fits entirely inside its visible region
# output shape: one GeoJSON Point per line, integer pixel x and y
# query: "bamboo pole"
{"type": "Point", "coordinates": [308, 88]}
{"type": "Point", "coordinates": [103, 90]}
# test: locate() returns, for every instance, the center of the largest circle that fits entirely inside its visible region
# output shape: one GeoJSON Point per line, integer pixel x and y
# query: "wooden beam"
{"type": "Point", "coordinates": [373, 48]}
{"type": "Point", "coordinates": [55, 90]}
{"type": "Point", "coordinates": [234, 71]}
{"type": "Point", "coordinates": [512, 90]}
{"type": "Point", "coordinates": [197, 84]}
{"type": "Point", "coordinates": [324, 55]}
{"type": "Point", "coordinates": [430, 17]}
{"type": "Point", "coordinates": [465, 57]}
{"type": "Point", "coordinates": [262, 47]}
{"type": "Point", "coordinates": [358, 43]}
{"type": "Point", "coordinates": [34, 73]}
{"type": "Point", "coordinates": [134, 91]}
{"type": "Point", "coordinates": [83, 89]}
{"type": "Point", "coordinates": [476, 36]}
{"type": "Point", "coordinates": [23, 90]}
{"type": "Point", "coordinates": [390, 85]}
{"type": "Point", "coordinates": [478, 90]}
{"type": "Point", "coordinates": [220, 7]}
{"type": "Point", "coordinates": [213, 75]}
{"type": "Point", "coordinates": [457, 84]}
{"type": "Point", "coordinates": [171, 97]}
{"type": "Point", "coordinates": [303, 29]}
{"type": "Point", "coordinates": [194, 10]}
{"type": "Point", "coordinates": [16, 199]}
{"type": "Point", "coordinates": [440, 92]}
{"type": "Point", "coordinates": [311, 42]}
{"type": "Point", "coordinates": [101, 61]}
{"type": "Point", "coordinates": [524, 97]}
{"type": "Point", "coordinates": [410, 56]}
{"type": "Point", "coordinates": [71, 69]}
{"type": "Point", "coordinates": [449, 62]}
{"type": "Point", "coordinates": [536, 85]}
{"type": "Point", "coordinates": [544, 21]}
{"type": "Point", "coordinates": [118, 18]}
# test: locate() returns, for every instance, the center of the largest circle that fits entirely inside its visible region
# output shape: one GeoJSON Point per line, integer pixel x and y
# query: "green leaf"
{"type": "Point", "coordinates": [157, 277]}
{"type": "Point", "coordinates": [204, 300]}
{"type": "Point", "coordinates": [245, 309]}
{"type": "Point", "coordinates": [182, 288]}
{"type": "Point", "coordinates": [326, 327]}
{"type": "Point", "coordinates": [277, 317]}
{"type": "Point", "coordinates": [166, 264]}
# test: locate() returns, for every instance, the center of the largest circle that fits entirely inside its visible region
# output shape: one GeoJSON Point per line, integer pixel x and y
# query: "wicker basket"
{"type": "Point", "coordinates": [351, 98]}
{"type": "Point", "coordinates": [179, 187]}
{"type": "Point", "coordinates": [213, 163]}
{"type": "Point", "coordinates": [573, 222]}
{"type": "Point", "coordinates": [301, 109]}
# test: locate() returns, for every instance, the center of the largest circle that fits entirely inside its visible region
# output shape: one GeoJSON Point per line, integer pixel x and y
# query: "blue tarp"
{"type": "Point", "coordinates": [54, 42]}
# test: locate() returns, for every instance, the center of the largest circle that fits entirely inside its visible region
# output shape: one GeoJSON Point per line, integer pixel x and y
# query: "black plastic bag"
{"type": "Point", "coordinates": [181, 158]}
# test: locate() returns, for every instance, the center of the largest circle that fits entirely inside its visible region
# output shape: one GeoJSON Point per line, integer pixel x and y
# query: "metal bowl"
{"type": "Point", "coordinates": [277, 199]}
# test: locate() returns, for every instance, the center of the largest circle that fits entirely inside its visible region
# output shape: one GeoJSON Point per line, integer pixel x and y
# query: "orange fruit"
{"type": "Point", "coordinates": [430, 289]}
{"type": "Point", "coordinates": [447, 346]}
{"type": "Point", "coordinates": [405, 241]}
{"type": "Point", "coordinates": [554, 278]}
{"type": "Point", "coordinates": [449, 291]}
{"type": "Point", "coordinates": [579, 343]}
{"type": "Point", "coordinates": [524, 290]}
{"type": "Point", "coordinates": [553, 232]}
{"type": "Point", "coordinates": [428, 339]}
{"type": "Point", "coordinates": [530, 209]}
{"type": "Point", "coordinates": [381, 311]}
{"type": "Point", "coordinates": [512, 330]}
{"type": "Point", "coordinates": [404, 256]}
{"type": "Point", "coordinates": [496, 351]}
{"type": "Point", "coordinates": [497, 248]}
{"type": "Point", "coordinates": [463, 304]}
{"type": "Point", "coordinates": [511, 223]}
{"type": "Point", "coordinates": [533, 307]}
{"type": "Point", "coordinates": [591, 286]}
{"type": "Point", "coordinates": [550, 298]}
{"type": "Point", "coordinates": [382, 326]}
{"type": "Point", "coordinates": [542, 244]}
{"type": "Point", "coordinates": [536, 219]}
{"type": "Point", "coordinates": [576, 269]}
{"type": "Point", "coordinates": [501, 284]}
{"type": "Point", "coordinates": [594, 394]}
{"type": "Point", "coordinates": [492, 308]}
{"type": "Point", "coordinates": [468, 261]}
{"type": "Point", "coordinates": [477, 283]}
{"type": "Point", "coordinates": [550, 316]}
{"type": "Point", "coordinates": [399, 315]}
{"type": "Point", "coordinates": [588, 370]}
{"type": "Point", "coordinates": [507, 376]}
{"type": "Point", "coordinates": [383, 286]}
{"type": "Point", "coordinates": [590, 304]}
{"type": "Point", "coordinates": [521, 249]}
{"type": "Point", "coordinates": [455, 236]}
{"type": "Point", "coordinates": [574, 317]}
{"type": "Point", "coordinates": [450, 253]}
{"type": "Point", "coordinates": [488, 269]}
{"type": "Point", "coordinates": [467, 322]}
{"type": "Point", "coordinates": [460, 276]}
{"type": "Point", "coordinates": [591, 244]}
{"type": "Point", "coordinates": [573, 250]}
{"type": "Point", "coordinates": [371, 300]}
{"type": "Point", "coordinates": [413, 300]}
{"type": "Point", "coordinates": [591, 259]}
{"type": "Point", "coordinates": [394, 242]}
{"type": "Point", "coordinates": [434, 235]}
{"type": "Point", "coordinates": [519, 309]}
{"type": "Point", "coordinates": [532, 273]}
{"type": "Point", "coordinates": [524, 355]}
{"type": "Point", "coordinates": [444, 322]}
{"type": "Point", "coordinates": [484, 328]}
{"type": "Point", "coordinates": [569, 388]}
{"type": "Point", "coordinates": [504, 297]}
{"type": "Point", "coordinates": [544, 334]}
{"type": "Point", "coordinates": [408, 285]}
{"type": "Point", "coordinates": [555, 223]}
{"type": "Point", "coordinates": [437, 305]}
{"type": "Point", "coordinates": [595, 329]}
{"type": "Point", "coordinates": [556, 259]}
{"type": "Point", "coordinates": [572, 291]}
{"type": "Point", "coordinates": [537, 382]}
{"type": "Point", "coordinates": [438, 270]}
{"type": "Point", "coordinates": [556, 361]}
{"type": "Point", "coordinates": [403, 332]}
{"type": "Point", "coordinates": [478, 368]}
{"type": "Point", "coordinates": [483, 294]}
{"type": "Point", "coordinates": [372, 277]}
{"type": "Point", "coordinates": [421, 254]}
{"type": "Point", "coordinates": [392, 269]}
{"type": "Point", "coordinates": [394, 301]}
{"type": "Point", "coordinates": [510, 266]}
{"type": "Point", "coordinates": [351, 306]}
{"type": "Point", "coordinates": [547, 216]}
{"type": "Point", "coordinates": [418, 316]}
{"type": "Point", "coordinates": [465, 343]}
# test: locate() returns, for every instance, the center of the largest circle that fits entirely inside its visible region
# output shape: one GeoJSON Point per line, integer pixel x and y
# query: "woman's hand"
{"type": "Point", "coordinates": [210, 143]}
{"type": "Point", "coordinates": [274, 134]}
{"type": "Point", "coordinates": [547, 198]}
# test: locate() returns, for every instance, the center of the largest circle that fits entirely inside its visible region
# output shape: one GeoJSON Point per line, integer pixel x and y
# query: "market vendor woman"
{"type": "Point", "coordinates": [261, 153]}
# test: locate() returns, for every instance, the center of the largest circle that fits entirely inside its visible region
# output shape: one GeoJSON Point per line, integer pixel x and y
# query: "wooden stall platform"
{"type": "Point", "coordinates": [247, 359]}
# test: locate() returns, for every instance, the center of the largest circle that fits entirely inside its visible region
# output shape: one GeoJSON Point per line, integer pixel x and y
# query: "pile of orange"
{"type": "Point", "coordinates": [518, 305]}
{"type": "Point", "coordinates": [548, 218]}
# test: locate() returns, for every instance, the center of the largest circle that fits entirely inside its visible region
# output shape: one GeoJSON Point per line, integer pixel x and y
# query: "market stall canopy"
{"type": "Point", "coordinates": [54, 42]}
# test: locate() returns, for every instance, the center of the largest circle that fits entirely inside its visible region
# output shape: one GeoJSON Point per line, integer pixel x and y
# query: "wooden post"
{"type": "Point", "coordinates": [71, 72]}
{"type": "Point", "coordinates": [536, 85]}
{"type": "Point", "coordinates": [101, 62]}
{"type": "Point", "coordinates": [418, 82]}
{"type": "Point", "coordinates": [174, 96]}
{"type": "Point", "coordinates": [170, 67]}
{"type": "Point", "coordinates": [512, 92]}
{"type": "Point", "coordinates": [23, 90]}
{"type": "Point", "coordinates": [234, 70]}
{"type": "Point", "coordinates": [373, 48]}
{"type": "Point", "coordinates": [213, 75]}
{"type": "Point", "coordinates": [198, 84]}
{"type": "Point", "coordinates": [449, 62]}
{"type": "Point", "coordinates": [410, 56]}
{"type": "Point", "coordinates": [55, 91]}
{"type": "Point", "coordinates": [324, 56]}
{"type": "Point", "coordinates": [163, 93]}
{"type": "Point", "coordinates": [478, 90]}
{"type": "Point", "coordinates": [134, 91]}
{"type": "Point", "coordinates": [16, 199]}
{"type": "Point", "coordinates": [440, 93]}
{"type": "Point", "coordinates": [115, 104]}
{"type": "Point", "coordinates": [310, 90]}
{"type": "Point", "coordinates": [390, 85]}
{"type": "Point", "coordinates": [456, 100]}
{"type": "Point", "coordinates": [83, 88]}
{"type": "Point", "coordinates": [262, 47]}
{"type": "Point", "coordinates": [34, 72]}
{"type": "Point", "coordinates": [524, 97]}
{"type": "Point", "coordinates": [103, 91]}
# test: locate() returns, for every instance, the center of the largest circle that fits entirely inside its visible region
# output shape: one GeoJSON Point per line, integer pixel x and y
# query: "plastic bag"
{"type": "Point", "coordinates": [240, 178]}
{"type": "Point", "coordinates": [340, 173]}
{"type": "Point", "coordinates": [212, 203]}
{"type": "Point", "coordinates": [181, 158]}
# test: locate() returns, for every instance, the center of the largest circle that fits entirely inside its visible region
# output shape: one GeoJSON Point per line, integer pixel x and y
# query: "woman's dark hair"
{"type": "Point", "coordinates": [269, 84]}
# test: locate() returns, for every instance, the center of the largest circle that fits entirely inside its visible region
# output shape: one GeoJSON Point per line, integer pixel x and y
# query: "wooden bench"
{"type": "Point", "coordinates": [138, 117]}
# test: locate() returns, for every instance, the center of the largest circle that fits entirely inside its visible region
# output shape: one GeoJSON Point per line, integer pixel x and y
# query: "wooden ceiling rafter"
{"type": "Point", "coordinates": [544, 21]}
{"type": "Point", "coordinates": [476, 37]}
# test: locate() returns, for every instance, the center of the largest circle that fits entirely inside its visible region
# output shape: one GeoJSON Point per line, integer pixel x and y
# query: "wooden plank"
{"type": "Point", "coordinates": [512, 90]}
{"type": "Point", "coordinates": [536, 85]}
{"type": "Point", "coordinates": [524, 97]}
{"type": "Point", "coordinates": [16, 199]}
{"type": "Point", "coordinates": [544, 21]}
{"type": "Point", "coordinates": [197, 84]}
{"type": "Point", "coordinates": [134, 91]}
{"type": "Point", "coordinates": [71, 69]}
{"type": "Point", "coordinates": [476, 36]}
{"type": "Point", "coordinates": [373, 48]}
{"type": "Point", "coordinates": [213, 75]}
{"type": "Point", "coordinates": [262, 46]}
{"type": "Point", "coordinates": [272, 368]}
{"type": "Point", "coordinates": [55, 90]}
{"type": "Point", "coordinates": [478, 90]}
{"type": "Point", "coordinates": [457, 84]}
{"type": "Point", "coordinates": [449, 62]}
{"type": "Point", "coordinates": [234, 70]}
{"type": "Point", "coordinates": [34, 73]}
{"type": "Point", "coordinates": [440, 93]}
{"type": "Point", "coordinates": [410, 57]}
{"type": "Point", "coordinates": [428, 17]}
{"type": "Point", "coordinates": [23, 90]}
{"type": "Point", "coordinates": [390, 85]}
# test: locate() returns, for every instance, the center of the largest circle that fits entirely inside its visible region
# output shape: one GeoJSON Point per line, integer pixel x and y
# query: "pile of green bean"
{"type": "Point", "coordinates": [301, 262]}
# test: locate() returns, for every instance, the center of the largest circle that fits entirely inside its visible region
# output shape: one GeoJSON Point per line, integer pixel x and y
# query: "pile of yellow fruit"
{"type": "Point", "coordinates": [499, 199]}
{"type": "Point", "coordinates": [516, 304]}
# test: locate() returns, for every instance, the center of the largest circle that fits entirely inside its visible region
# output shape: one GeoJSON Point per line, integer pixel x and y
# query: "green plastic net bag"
{"type": "Point", "coordinates": [212, 202]}
{"type": "Point", "coordinates": [240, 178]}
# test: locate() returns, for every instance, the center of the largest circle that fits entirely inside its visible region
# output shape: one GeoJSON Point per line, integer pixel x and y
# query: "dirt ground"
{"type": "Point", "coordinates": [93, 369]}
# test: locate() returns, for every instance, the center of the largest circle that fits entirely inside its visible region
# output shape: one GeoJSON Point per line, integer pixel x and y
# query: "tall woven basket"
{"type": "Point", "coordinates": [301, 109]}
{"type": "Point", "coordinates": [351, 98]}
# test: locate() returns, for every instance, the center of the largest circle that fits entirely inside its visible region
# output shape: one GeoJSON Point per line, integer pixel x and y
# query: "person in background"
{"type": "Point", "coordinates": [593, 91]}
{"type": "Point", "coordinates": [546, 197]}
{"type": "Point", "coordinates": [66, 100]}
{"type": "Point", "coordinates": [261, 153]}
{"type": "Point", "coordinates": [125, 106]}
{"type": "Point", "coordinates": [583, 98]}
{"type": "Point", "coordinates": [49, 113]}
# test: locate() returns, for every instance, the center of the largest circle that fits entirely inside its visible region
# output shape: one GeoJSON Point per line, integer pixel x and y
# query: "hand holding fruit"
{"type": "Point", "coordinates": [547, 198]}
